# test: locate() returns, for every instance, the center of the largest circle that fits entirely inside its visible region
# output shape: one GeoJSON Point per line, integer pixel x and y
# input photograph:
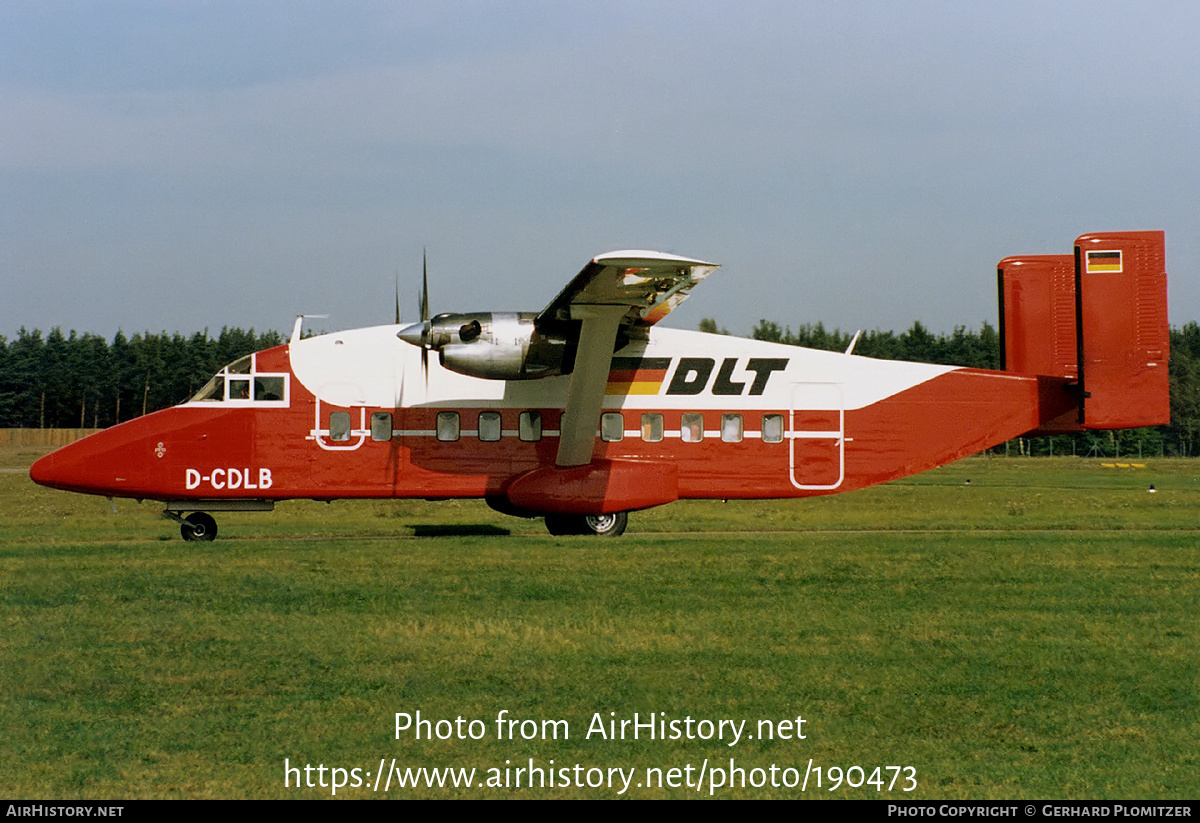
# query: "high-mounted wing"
{"type": "Point", "coordinates": [649, 284]}
{"type": "Point", "coordinates": [632, 288]}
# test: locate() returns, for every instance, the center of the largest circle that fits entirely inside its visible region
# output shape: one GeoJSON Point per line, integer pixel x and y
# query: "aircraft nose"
{"type": "Point", "coordinates": [93, 465]}
{"type": "Point", "coordinates": [59, 470]}
{"type": "Point", "coordinates": [42, 471]}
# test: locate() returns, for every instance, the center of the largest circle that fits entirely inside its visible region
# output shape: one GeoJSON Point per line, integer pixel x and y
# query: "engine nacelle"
{"type": "Point", "coordinates": [496, 346]}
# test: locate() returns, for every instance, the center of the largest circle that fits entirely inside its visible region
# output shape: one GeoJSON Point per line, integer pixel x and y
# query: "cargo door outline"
{"type": "Point", "coordinates": [817, 436]}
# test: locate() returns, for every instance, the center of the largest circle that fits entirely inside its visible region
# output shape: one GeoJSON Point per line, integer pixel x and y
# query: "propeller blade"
{"type": "Point", "coordinates": [424, 286]}
{"type": "Point", "coordinates": [426, 326]}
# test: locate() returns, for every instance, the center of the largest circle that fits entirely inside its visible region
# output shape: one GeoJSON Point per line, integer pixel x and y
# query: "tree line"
{"type": "Point", "coordinates": [74, 380]}
{"type": "Point", "coordinates": [59, 380]}
{"type": "Point", "coordinates": [981, 349]}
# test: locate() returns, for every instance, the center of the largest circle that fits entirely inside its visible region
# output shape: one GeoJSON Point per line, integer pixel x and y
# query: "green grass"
{"type": "Point", "coordinates": [1028, 635]}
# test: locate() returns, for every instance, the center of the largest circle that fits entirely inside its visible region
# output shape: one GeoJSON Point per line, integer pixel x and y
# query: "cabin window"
{"type": "Point", "coordinates": [489, 426]}
{"type": "Point", "coordinates": [612, 426]}
{"type": "Point", "coordinates": [691, 427]}
{"type": "Point", "coordinates": [772, 428]}
{"type": "Point", "coordinates": [447, 426]}
{"type": "Point", "coordinates": [731, 428]}
{"type": "Point", "coordinates": [530, 426]}
{"type": "Point", "coordinates": [339, 426]}
{"type": "Point", "coordinates": [652, 427]}
{"type": "Point", "coordinates": [381, 426]}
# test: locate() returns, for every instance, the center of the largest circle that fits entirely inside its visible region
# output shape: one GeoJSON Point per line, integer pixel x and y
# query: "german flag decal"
{"type": "Point", "coordinates": [637, 375]}
{"type": "Point", "coordinates": [1108, 262]}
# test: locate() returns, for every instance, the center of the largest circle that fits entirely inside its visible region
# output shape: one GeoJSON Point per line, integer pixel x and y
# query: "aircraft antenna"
{"type": "Point", "coordinates": [296, 329]}
{"type": "Point", "coordinates": [853, 341]}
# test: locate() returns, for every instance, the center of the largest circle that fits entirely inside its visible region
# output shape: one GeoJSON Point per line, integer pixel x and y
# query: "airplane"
{"type": "Point", "coordinates": [588, 410]}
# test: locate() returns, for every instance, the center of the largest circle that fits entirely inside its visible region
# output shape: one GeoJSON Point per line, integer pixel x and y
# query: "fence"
{"type": "Point", "coordinates": [40, 438]}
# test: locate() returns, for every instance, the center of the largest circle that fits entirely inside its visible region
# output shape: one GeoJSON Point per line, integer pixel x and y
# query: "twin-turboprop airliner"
{"type": "Point", "coordinates": [589, 410]}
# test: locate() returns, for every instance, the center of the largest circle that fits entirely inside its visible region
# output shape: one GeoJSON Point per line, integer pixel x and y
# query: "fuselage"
{"type": "Point", "coordinates": [357, 414]}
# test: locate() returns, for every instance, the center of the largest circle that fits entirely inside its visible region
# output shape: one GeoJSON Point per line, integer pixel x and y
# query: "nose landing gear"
{"type": "Point", "coordinates": [196, 526]}
{"type": "Point", "coordinates": [200, 525]}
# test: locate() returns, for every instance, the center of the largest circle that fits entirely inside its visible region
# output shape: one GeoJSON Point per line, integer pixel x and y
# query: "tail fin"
{"type": "Point", "coordinates": [1097, 319]}
{"type": "Point", "coordinates": [1037, 315]}
{"type": "Point", "coordinates": [1124, 338]}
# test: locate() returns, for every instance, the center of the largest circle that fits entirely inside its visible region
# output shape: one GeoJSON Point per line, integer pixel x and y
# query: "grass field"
{"type": "Point", "coordinates": [1030, 633]}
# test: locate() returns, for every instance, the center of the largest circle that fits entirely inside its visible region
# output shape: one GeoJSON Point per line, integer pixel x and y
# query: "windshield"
{"type": "Point", "coordinates": [238, 382]}
{"type": "Point", "coordinates": [214, 389]}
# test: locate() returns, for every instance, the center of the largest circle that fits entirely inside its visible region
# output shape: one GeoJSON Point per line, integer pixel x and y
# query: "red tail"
{"type": "Point", "coordinates": [1098, 319]}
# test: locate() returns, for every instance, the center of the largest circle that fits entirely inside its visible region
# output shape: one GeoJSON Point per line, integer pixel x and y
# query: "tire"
{"type": "Point", "coordinates": [606, 525]}
{"type": "Point", "coordinates": [599, 525]}
{"type": "Point", "coordinates": [561, 524]}
{"type": "Point", "coordinates": [199, 526]}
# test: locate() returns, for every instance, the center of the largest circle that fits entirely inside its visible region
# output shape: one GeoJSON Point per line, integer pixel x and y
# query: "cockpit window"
{"type": "Point", "coordinates": [239, 388]}
{"type": "Point", "coordinates": [268, 387]}
{"type": "Point", "coordinates": [240, 383]}
{"type": "Point", "coordinates": [214, 389]}
{"type": "Point", "coordinates": [241, 366]}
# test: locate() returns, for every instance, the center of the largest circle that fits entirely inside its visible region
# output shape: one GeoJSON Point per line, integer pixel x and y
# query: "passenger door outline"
{"type": "Point", "coordinates": [815, 407]}
{"type": "Point", "coordinates": [321, 432]}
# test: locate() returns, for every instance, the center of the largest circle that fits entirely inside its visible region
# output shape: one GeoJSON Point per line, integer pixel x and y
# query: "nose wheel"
{"type": "Point", "coordinates": [198, 526]}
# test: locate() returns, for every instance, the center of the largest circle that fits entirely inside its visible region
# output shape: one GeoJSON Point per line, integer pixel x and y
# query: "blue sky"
{"type": "Point", "coordinates": [184, 165]}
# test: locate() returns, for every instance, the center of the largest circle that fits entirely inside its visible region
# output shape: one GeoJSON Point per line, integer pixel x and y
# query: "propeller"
{"type": "Point", "coordinates": [418, 334]}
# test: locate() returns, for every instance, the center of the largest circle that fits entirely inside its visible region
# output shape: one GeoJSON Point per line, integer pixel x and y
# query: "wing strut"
{"type": "Point", "coordinates": [597, 338]}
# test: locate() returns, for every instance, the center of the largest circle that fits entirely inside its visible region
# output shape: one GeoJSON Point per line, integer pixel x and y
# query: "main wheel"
{"type": "Point", "coordinates": [601, 525]}
{"type": "Point", "coordinates": [198, 526]}
{"type": "Point", "coordinates": [606, 525]}
{"type": "Point", "coordinates": [560, 524]}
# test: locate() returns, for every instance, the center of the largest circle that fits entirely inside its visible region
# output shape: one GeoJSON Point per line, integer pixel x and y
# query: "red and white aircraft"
{"type": "Point", "coordinates": [588, 410]}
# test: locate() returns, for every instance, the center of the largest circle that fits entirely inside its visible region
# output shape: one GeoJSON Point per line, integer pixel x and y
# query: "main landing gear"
{"type": "Point", "coordinates": [601, 525]}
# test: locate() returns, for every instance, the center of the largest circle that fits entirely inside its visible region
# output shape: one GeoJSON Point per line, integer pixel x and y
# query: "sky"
{"type": "Point", "coordinates": [179, 166]}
